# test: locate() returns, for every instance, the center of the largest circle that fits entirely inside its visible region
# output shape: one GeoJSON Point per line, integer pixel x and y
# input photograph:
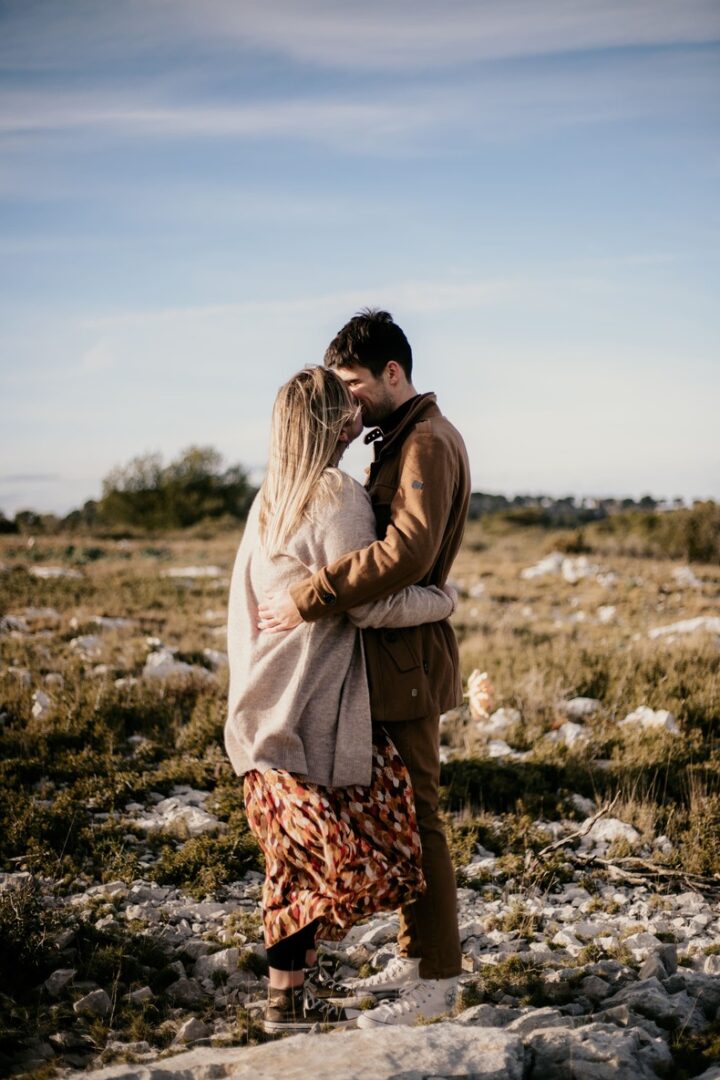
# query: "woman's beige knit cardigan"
{"type": "Point", "coordinates": [299, 700]}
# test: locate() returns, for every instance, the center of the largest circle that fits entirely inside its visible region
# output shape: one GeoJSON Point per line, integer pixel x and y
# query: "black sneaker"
{"type": "Point", "coordinates": [321, 982]}
{"type": "Point", "coordinates": [297, 1010]}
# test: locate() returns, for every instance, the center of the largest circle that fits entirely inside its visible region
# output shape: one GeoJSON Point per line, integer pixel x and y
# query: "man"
{"type": "Point", "coordinates": [420, 488]}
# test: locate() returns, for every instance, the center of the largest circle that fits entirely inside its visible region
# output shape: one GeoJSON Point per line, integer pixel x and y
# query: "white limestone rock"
{"type": "Point", "coordinates": [642, 944]}
{"type": "Point", "coordinates": [216, 658]}
{"type": "Point", "coordinates": [649, 998]}
{"type": "Point", "coordinates": [49, 572]}
{"type": "Point", "coordinates": [498, 748]}
{"type": "Point", "coordinates": [106, 622]}
{"type": "Point", "coordinates": [225, 961]}
{"type": "Point", "coordinates": [551, 564]}
{"type": "Point", "coordinates": [186, 992]}
{"type": "Point", "coordinates": [712, 964]}
{"type": "Point", "coordinates": [87, 646]}
{"type": "Point", "coordinates": [583, 805]}
{"type": "Point", "coordinates": [486, 1015]}
{"type": "Point", "coordinates": [41, 705]}
{"type": "Point", "coordinates": [580, 708]}
{"type": "Point", "coordinates": [379, 934]}
{"type": "Point", "coordinates": [534, 1019]}
{"type": "Point", "coordinates": [56, 983]}
{"type": "Point", "coordinates": [499, 722]}
{"type": "Point", "coordinates": [606, 614]}
{"type": "Point", "coordinates": [594, 988]}
{"type": "Point", "coordinates": [568, 734]}
{"type": "Point", "coordinates": [191, 572]}
{"type": "Point", "coordinates": [174, 815]}
{"type": "Point", "coordinates": [574, 570]}
{"type": "Point", "coordinates": [96, 1003]}
{"type": "Point", "coordinates": [685, 578]}
{"type": "Point", "coordinates": [163, 665]}
{"type": "Point", "coordinates": [604, 832]}
{"type": "Point", "coordinates": [651, 719]}
{"type": "Point", "coordinates": [192, 1031]}
{"type": "Point", "coordinates": [600, 1051]}
{"type": "Point", "coordinates": [707, 623]}
{"type": "Point", "coordinates": [413, 1053]}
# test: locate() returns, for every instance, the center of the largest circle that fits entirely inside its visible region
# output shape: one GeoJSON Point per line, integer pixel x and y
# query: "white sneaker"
{"type": "Point", "coordinates": [399, 974]}
{"type": "Point", "coordinates": [426, 998]}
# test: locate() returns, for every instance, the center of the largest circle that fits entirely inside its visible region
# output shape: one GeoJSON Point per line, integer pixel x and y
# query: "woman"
{"type": "Point", "coordinates": [332, 811]}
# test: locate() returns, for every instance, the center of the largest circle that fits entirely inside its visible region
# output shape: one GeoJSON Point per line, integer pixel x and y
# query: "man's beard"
{"type": "Point", "coordinates": [373, 415]}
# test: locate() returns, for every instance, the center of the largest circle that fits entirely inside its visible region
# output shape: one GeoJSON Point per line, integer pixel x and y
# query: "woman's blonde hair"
{"type": "Point", "coordinates": [309, 414]}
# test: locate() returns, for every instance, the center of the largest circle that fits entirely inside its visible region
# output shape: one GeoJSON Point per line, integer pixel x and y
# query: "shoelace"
{"type": "Point", "coordinates": [393, 969]}
{"type": "Point", "coordinates": [322, 974]}
{"type": "Point", "coordinates": [332, 1012]}
{"type": "Point", "coordinates": [410, 998]}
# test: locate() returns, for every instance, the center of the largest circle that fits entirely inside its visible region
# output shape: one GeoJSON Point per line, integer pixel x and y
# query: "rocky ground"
{"type": "Point", "coordinates": [604, 978]}
{"type": "Point", "coordinates": [580, 784]}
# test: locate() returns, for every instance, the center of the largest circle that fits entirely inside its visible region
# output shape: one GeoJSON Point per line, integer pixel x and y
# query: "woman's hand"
{"type": "Point", "coordinates": [277, 614]}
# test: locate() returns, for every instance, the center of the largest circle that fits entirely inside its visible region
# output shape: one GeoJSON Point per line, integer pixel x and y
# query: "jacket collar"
{"type": "Point", "coordinates": [421, 407]}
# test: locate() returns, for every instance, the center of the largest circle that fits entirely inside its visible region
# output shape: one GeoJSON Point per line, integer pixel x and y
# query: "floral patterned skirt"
{"type": "Point", "coordinates": [335, 854]}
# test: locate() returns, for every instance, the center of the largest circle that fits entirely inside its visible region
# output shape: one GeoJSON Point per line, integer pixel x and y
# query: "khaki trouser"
{"type": "Point", "coordinates": [428, 926]}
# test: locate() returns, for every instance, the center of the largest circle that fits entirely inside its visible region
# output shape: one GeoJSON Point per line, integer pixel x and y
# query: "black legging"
{"type": "Point", "coordinates": [289, 953]}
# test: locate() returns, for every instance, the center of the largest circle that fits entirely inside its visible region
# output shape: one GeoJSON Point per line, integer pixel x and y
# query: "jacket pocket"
{"type": "Point", "coordinates": [397, 675]}
{"type": "Point", "coordinates": [400, 651]}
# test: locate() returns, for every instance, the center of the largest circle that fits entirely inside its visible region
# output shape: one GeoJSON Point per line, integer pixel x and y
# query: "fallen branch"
{"type": "Point", "coordinates": [629, 869]}
{"type": "Point", "coordinates": [639, 871]}
{"type": "Point", "coordinates": [579, 833]}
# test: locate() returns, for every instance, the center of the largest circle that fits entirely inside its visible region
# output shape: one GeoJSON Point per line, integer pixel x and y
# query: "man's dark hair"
{"type": "Point", "coordinates": [370, 340]}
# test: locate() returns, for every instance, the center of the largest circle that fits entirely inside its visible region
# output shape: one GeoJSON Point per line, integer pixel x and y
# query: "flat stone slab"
{"type": "Point", "coordinates": [393, 1053]}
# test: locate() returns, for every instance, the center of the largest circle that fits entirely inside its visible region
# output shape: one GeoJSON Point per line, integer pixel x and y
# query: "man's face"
{"type": "Point", "coordinates": [373, 393]}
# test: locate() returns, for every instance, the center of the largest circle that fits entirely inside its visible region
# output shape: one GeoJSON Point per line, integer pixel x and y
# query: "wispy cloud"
{"type": "Point", "coordinates": [412, 296]}
{"type": "Point", "coordinates": [351, 123]}
{"type": "Point", "coordinates": [379, 35]}
{"type": "Point", "coordinates": [99, 357]}
{"type": "Point", "coordinates": [29, 478]}
{"type": "Point", "coordinates": [411, 34]}
{"type": "Point", "coordinates": [489, 105]}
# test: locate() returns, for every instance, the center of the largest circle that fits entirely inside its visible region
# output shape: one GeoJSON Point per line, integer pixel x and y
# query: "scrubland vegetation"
{"type": "Point", "coordinates": [88, 730]}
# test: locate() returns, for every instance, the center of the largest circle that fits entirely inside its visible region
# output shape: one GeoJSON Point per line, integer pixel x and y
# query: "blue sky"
{"type": "Point", "coordinates": [194, 197]}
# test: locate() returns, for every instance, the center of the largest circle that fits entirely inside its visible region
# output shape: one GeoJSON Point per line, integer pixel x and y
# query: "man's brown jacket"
{"type": "Point", "coordinates": [419, 484]}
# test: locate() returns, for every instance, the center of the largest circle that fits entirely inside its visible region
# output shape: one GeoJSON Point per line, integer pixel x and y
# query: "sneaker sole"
{"type": "Point", "coordinates": [367, 1021]}
{"type": "Point", "coordinates": [297, 1027]}
{"type": "Point", "coordinates": [378, 992]}
{"type": "Point", "coordinates": [351, 1001]}
{"type": "Point", "coordinates": [277, 1027]}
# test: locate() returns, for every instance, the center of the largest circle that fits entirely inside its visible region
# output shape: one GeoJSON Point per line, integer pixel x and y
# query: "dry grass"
{"type": "Point", "coordinates": [542, 641]}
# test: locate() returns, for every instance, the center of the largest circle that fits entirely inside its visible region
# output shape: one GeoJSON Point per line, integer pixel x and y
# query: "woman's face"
{"type": "Point", "coordinates": [354, 426]}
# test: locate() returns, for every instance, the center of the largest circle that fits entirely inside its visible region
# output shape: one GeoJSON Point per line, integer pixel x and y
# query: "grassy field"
{"type": "Point", "coordinates": [85, 729]}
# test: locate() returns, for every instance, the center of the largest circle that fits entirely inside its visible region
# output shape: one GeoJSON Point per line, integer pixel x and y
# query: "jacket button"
{"type": "Point", "coordinates": [426, 666]}
{"type": "Point", "coordinates": [413, 692]}
{"type": "Point", "coordinates": [327, 598]}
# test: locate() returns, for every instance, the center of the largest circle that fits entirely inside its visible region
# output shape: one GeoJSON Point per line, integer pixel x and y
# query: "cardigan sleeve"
{"type": "Point", "coordinates": [412, 606]}
{"type": "Point", "coordinates": [351, 528]}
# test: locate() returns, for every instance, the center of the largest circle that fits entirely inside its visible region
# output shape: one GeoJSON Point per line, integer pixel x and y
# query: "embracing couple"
{"type": "Point", "coordinates": [341, 661]}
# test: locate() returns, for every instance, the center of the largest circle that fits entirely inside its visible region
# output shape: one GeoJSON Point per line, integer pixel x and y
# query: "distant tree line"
{"type": "Point", "coordinates": [146, 495]}
{"type": "Point", "coordinates": [565, 512]}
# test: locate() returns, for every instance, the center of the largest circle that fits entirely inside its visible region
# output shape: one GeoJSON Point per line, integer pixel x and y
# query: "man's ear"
{"type": "Point", "coordinates": [393, 372]}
